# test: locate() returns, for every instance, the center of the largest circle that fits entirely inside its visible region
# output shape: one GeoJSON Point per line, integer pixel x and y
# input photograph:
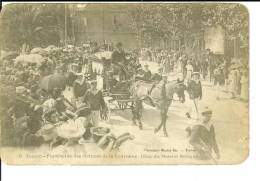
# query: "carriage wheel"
{"type": "Point", "coordinates": [122, 105]}
{"type": "Point", "coordinates": [106, 114]}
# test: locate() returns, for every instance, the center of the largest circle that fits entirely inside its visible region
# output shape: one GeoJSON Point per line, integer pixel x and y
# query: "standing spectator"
{"type": "Point", "coordinates": [95, 100]}
{"type": "Point", "coordinates": [189, 69]}
{"type": "Point", "coordinates": [244, 85]}
{"type": "Point", "coordinates": [196, 65]}
{"type": "Point", "coordinates": [211, 65]}
{"type": "Point", "coordinates": [204, 69]}
{"type": "Point", "coordinates": [233, 80]}
{"type": "Point", "coordinates": [166, 65]}
{"type": "Point", "coordinates": [219, 79]}
{"type": "Point", "coordinates": [184, 63]}
{"type": "Point", "coordinates": [172, 62]}
{"type": "Point", "coordinates": [195, 92]}
{"type": "Point", "coordinates": [203, 138]}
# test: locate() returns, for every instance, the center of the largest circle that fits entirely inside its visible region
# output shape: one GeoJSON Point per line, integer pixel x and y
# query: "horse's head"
{"type": "Point", "coordinates": [179, 89]}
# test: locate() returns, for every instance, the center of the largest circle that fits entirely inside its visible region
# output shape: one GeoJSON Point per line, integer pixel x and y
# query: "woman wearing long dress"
{"type": "Point", "coordinates": [244, 86]}
{"type": "Point", "coordinates": [166, 65]}
{"type": "Point", "coordinates": [233, 81]}
{"type": "Point", "coordinates": [189, 69]}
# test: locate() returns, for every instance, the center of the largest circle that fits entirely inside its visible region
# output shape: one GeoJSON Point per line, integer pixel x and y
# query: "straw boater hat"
{"type": "Point", "coordinates": [206, 111]}
{"type": "Point", "coordinates": [20, 90]}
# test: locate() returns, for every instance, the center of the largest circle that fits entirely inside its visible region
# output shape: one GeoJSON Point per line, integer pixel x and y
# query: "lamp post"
{"type": "Point", "coordinates": [65, 24]}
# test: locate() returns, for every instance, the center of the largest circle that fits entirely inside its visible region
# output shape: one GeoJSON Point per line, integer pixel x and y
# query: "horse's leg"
{"type": "Point", "coordinates": [139, 113]}
{"type": "Point", "coordinates": [164, 119]}
{"type": "Point", "coordinates": [161, 124]}
{"type": "Point", "coordinates": [134, 112]}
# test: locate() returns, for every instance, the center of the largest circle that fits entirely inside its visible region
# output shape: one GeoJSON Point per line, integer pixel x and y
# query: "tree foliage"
{"type": "Point", "coordinates": [181, 20]}
{"type": "Point", "coordinates": [32, 24]}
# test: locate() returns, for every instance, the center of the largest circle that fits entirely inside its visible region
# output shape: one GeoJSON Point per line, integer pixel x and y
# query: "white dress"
{"type": "Point", "coordinates": [244, 87]}
{"type": "Point", "coordinates": [189, 71]}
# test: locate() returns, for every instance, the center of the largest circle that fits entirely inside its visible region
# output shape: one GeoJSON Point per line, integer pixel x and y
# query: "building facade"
{"type": "Point", "coordinates": [104, 24]}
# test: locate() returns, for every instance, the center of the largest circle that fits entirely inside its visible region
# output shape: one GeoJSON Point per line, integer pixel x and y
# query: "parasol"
{"type": "Point", "coordinates": [49, 82]}
{"type": "Point", "coordinates": [31, 58]}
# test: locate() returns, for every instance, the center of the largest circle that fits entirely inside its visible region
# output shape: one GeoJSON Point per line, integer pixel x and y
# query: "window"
{"type": "Point", "coordinates": [85, 22]}
{"type": "Point", "coordinates": [115, 20]}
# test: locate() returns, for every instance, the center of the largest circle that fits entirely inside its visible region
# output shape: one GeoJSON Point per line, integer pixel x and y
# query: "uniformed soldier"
{"type": "Point", "coordinates": [202, 137]}
{"type": "Point", "coordinates": [195, 93]}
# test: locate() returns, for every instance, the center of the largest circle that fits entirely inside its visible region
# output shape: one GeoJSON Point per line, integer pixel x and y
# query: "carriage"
{"type": "Point", "coordinates": [116, 92]}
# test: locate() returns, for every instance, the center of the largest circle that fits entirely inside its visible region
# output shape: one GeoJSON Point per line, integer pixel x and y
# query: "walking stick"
{"type": "Point", "coordinates": [195, 106]}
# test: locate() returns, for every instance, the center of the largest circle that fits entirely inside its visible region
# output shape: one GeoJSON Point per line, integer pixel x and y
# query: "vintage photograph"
{"type": "Point", "coordinates": [124, 83]}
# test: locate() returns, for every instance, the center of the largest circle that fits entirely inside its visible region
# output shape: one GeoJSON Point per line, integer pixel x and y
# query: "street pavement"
{"type": "Point", "coordinates": [230, 117]}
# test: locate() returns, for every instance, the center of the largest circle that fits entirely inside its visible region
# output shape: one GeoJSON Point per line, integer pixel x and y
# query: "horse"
{"type": "Point", "coordinates": [158, 95]}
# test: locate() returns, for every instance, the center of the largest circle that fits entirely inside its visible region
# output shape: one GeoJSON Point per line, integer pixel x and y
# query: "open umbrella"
{"type": "Point", "coordinates": [31, 58]}
{"type": "Point", "coordinates": [49, 82]}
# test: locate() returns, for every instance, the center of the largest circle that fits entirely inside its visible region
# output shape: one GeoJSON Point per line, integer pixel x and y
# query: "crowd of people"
{"type": "Point", "coordinates": [226, 74]}
{"type": "Point", "coordinates": [33, 101]}
{"type": "Point", "coordinates": [35, 97]}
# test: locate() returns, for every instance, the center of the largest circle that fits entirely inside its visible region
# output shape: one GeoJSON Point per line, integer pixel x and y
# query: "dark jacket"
{"type": "Point", "coordinates": [118, 57]}
{"type": "Point", "coordinates": [95, 101]}
{"type": "Point", "coordinates": [147, 75]}
{"type": "Point", "coordinates": [195, 89]}
{"type": "Point", "coordinates": [79, 90]}
{"type": "Point", "coordinates": [201, 137]}
{"type": "Point", "coordinates": [156, 77]}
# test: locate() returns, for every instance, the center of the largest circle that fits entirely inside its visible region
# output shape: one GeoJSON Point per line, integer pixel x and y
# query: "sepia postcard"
{"type": "Point", "coordinates": [124, 83]}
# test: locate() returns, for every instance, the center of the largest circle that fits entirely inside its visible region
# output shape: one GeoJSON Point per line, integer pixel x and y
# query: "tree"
{"type": "Point", "coordinates": [182, 21]}
{"type": "Point", "coordinates": [233, 18]}
{"type": "Point", "coordinates": [32, 24]}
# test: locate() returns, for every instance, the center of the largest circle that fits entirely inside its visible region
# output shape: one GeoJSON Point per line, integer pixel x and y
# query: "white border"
{"type": "Point", "coordinates": [245, 171]}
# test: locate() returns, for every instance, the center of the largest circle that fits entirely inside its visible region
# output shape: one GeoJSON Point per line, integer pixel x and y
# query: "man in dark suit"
{"type": "Point", "coordinates": [118, 58]}
{"type": "Point", "coordinates": [195, 93]}
{"type": "Point", "coordinates": [118, 55]}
